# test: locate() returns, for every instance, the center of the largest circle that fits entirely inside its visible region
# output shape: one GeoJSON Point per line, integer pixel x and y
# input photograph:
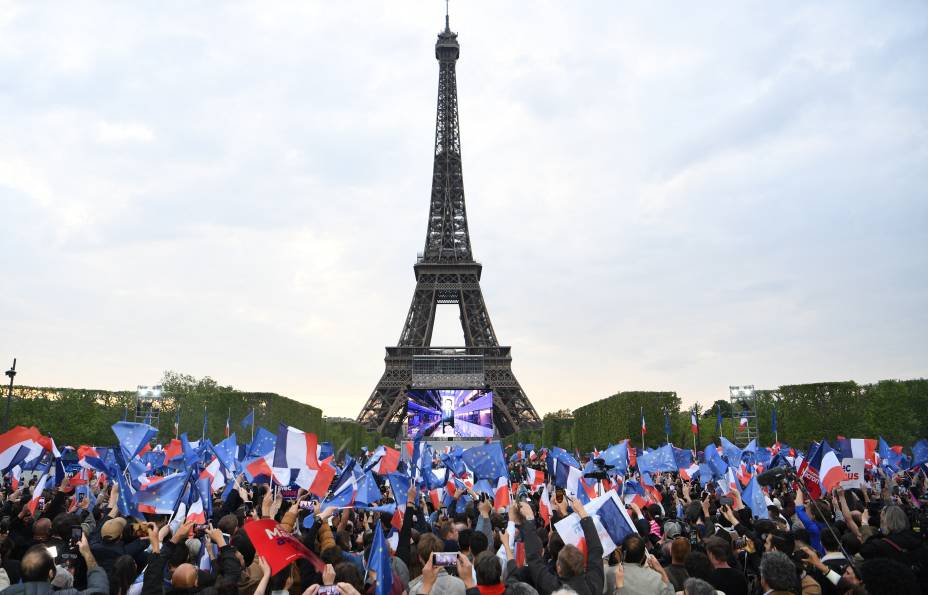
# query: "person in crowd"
{"type": "Point", "coordinates": [676, 570]}
{"type": "Point", "coordinates": [689, 537]}
{"type": "Point", "coordinates": [724, 577]}
{"type": "Point", "coordinates": [643, 573]}
{"type": "Point", "coordinates": [40, 575]}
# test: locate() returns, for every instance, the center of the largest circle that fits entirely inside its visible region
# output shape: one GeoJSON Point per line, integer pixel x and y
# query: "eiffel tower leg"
{"type": "Point", "coordinates": [475, 320]}
{"type": "Point", "coordinates": [417, 331]}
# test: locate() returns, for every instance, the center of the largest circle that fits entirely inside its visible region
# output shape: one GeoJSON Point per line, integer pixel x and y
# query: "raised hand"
{"type": "Point", "coordinates": [328, 575]}
{"type": "Point", "coordinates": [466, 571]}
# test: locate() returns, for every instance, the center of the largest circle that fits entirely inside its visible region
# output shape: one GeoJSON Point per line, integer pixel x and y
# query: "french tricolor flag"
{"type": "Point", "coordinates": [84, 451]}
{"type": "Point", "coordinates": [830, 470]}
{"type": "Point", "coordinates": [501, 497]}
{"type": "Point", "coordinates": [259, 470]}
{"type": "Point", "coordinates": [567, 477]}
{"type": "Point", "coordinates": [687, 473]}
{"type": "Point", "coordinates": [19, 445]}
{"type": "Point", "coordinates": [317, 481]}
{"type": "Point", "coordinates": [295, 449]}
{"type": "Point", "coordinates": [37, 494]}
{"type": "Point", "coordinates": [859, 448]}
{"type": "Point", "coordinates": [544, 506]}
{"type": "Point", "coordinates": [534, 477]}
{"type": "Point", "coordinates": [213, 472]}
{"type": "Point", "coordinates": [694, 424]}
{"type": "Point", "coordinates": [384, 460]}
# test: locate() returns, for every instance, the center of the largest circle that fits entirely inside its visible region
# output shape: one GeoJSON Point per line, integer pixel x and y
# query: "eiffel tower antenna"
{"type": "Point", "coordinates": [446, 273]}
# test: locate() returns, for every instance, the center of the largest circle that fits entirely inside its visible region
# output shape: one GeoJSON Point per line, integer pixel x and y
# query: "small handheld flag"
{"type": "Point", "coordinates": [249, 420]}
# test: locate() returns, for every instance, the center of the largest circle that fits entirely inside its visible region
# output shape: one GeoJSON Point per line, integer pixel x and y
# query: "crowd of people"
{"type": "Point", "coordinates": [687, 538]}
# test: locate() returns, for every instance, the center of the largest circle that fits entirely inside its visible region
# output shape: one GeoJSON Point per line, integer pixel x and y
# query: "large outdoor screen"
{"type": "Point", "coordinates": [457, 413]}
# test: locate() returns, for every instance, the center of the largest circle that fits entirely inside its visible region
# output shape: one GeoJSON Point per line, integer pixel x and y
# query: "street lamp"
{"type": "Point", "coordinates": [9, 396]}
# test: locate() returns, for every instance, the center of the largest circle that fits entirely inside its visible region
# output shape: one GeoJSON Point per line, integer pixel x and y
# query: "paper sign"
{"type": "Point", "coordinates": [853, 473]}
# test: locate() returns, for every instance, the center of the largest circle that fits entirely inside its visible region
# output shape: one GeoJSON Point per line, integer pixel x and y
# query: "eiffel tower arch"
{"type": "Point", "coordinates": [446, 273]}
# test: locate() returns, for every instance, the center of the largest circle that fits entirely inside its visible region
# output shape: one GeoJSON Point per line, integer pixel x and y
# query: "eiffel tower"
{"type": "Point", "coordinates": [446, 273]}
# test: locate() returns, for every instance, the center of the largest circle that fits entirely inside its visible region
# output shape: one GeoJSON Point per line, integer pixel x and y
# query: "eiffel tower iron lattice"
{"type": "Point", "coordinates": [446, 273]}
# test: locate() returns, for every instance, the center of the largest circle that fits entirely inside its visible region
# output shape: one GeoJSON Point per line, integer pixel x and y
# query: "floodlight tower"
{"type": "Point", "coordinates": [743, 400]}
{"type": "Point", "coordinates": [148, 401]}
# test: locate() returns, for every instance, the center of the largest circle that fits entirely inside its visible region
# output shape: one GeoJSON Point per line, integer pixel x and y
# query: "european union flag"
{"type": "Point", "coordinates": [227, 452]}
{"type": "Point", "coordinates": [753, 496]}
{"type": "Point", "coordinates": [263, 443]}
{"type": "Point", "coordinates": [161, 496]}
{"type": "Point", "coordinates": [133, 436]}
{"type": "Point", "coordinates": [249, 419]}
{"type": "Point", "coordinates": [368, 492]}
{"type": "Point", "coordinates": [389, 509]}
{"type": "Point", "coordinates": [683, 458]}
{"type": "Point", "coordinates": [487, 461]}
{"type": "Point", "coordinates": [715, 463]}
{"type": "Point", "coordinates": [399, 484]}
{"type": "Point", "coordinates": [190, 455]}
{"type": "Point", "coordinates": [379, 562]}
{"type": "Point", "coordinates": [732, 453]}
{"type": "Point", "coordinates": [453, 460]}
{"type": "Point", "coordinates": [919, 453]}
{"type": "Point", "coordinates": [661, 459]}
{"type": "Point", "coordinates": [616, 455]}
{"type": "Point", "coordinates": [563, 456]}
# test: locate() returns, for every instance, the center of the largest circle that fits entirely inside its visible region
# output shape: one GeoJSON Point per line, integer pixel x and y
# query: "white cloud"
{"type": "Point", "coordinates": [122, 132]}
{"type": "Point", "coordinates": [663, 197]}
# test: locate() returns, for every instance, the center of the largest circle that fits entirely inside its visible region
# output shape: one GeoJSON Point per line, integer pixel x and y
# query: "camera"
{"type": "Point", "coordinates": [601, 470]}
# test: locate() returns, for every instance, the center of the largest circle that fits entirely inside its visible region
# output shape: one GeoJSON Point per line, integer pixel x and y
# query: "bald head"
{"type": "Point", "coordinates": [37, 565]}
{"type": "Point", "coordinates": [184, 577]}
{"type": "Point", "coordinates": [42, 528]}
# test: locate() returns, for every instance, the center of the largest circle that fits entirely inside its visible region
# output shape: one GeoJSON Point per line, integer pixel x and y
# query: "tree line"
{"type": "Point", "coordinates": [897, 410]}
{"type": "Point", "coordinates": [74, 416]}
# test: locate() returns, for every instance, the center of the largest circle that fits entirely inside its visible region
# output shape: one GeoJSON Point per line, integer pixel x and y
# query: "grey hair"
{"type": "Point", "coordinates": [697, 586]}
{"type": "Point", "coordinates": [778, 571]}
{"type": "Point", "coordinates": [893, 519]}
{"type": "Point", "coordinates": [525, 589]}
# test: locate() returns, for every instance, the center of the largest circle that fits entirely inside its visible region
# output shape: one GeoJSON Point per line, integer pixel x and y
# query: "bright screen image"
{"type": "Point", "coordinates": [457, 413]}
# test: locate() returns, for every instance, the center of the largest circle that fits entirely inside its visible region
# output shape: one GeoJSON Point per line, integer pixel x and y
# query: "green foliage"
{"type": "Point", "coordinates": [348, 435]}
{"type": "Point", "coordinates": [557, 430]}
{"type": "Point", "coordinates": [618, 417]}
{"type": "Point", "coordinates": [894, 409]}
{"type": "Point", "coordinates": [85, 416]}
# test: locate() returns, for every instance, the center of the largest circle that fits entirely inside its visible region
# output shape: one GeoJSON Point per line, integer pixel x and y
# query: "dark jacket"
{"type": "Point", "coordinates": [106, 552]}
{"type": "Point", "coordinates": [546, 582]}
{"type": "Point", "coordinates": [895, 546]}
{"type": "Point", "coordinates": [97, 582]}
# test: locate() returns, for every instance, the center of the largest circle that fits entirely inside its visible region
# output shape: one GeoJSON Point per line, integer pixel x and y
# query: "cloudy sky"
{"type": "Point", "coordinates": [664, 196]}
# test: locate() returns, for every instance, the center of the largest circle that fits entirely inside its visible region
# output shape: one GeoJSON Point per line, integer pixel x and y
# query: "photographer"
{"type": "Point", "coordinates": [38, 570]}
